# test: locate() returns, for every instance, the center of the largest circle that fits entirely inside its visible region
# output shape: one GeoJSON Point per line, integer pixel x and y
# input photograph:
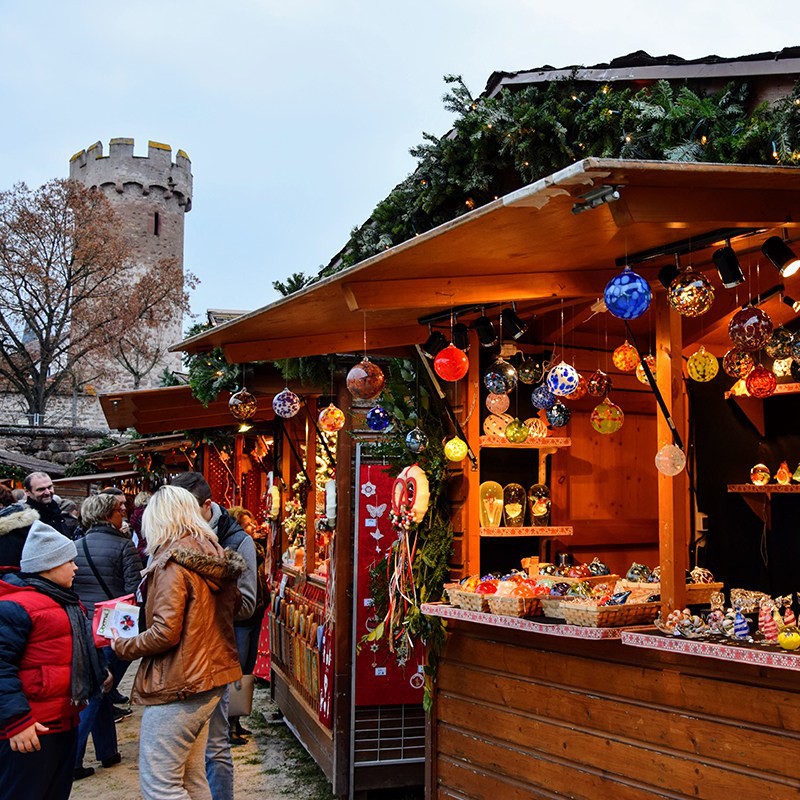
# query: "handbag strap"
{"type": "Point", "coordinates": [93, 568]}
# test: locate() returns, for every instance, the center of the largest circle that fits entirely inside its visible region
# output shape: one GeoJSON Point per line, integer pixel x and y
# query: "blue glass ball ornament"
{"type": "Point", "coordinates": [563, 379]}
{"type": "Point", "coordinates": [501, 377]}
{"type": "Point", "coordinates": [558, 415]}
{"type": "Point", "coordinates": [628, 295]}
{"type": "Point", "coordinates": [416, 441]}
{"type": "Point", "coordinates": [378, 419]}
{"type": "Point", "coordinates": [286, 403]}
{"type": "Point", "coordinates": [794, 349]}
{"type": "Point", "coordinates": [542, 397]}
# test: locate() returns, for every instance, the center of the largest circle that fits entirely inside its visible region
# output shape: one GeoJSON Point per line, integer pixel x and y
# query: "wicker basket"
{"type": "Point", "coordinates": [553, 607]}
{"type": "Point", "coordinates": [473, 602]}
{"type": "Point", "coordinates": [515, 606]}
{"type": "Point", "coordinates": [696, 593]}
{"type": "Point", "coordinates": [590, 615]}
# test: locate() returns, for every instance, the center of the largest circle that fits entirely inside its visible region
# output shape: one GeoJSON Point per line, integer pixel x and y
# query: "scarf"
{"type": "Point", "coordinates": [87, 672]}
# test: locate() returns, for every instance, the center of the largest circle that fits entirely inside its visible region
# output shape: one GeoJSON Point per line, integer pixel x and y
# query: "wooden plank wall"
{"type": "Point", "coordinates": [530, 716]}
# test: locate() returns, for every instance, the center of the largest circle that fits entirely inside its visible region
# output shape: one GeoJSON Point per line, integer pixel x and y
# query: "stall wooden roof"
{"type": "Point", "coordinates": [531, 247]}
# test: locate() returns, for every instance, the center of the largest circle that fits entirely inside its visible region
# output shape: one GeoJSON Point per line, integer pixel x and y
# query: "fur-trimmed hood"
{"type": "Point", "coordinates": [216, 567]}
{"type": "Point", "coordinates": [16, 516]}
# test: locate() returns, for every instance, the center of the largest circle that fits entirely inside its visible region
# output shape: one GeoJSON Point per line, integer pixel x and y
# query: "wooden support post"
{"type": "Point", "coordinates": [673, 492]}
{"type": "Point", "coordinates": [472, 429]}
{"type": "Point", "coordinates": [238, 452]}
{"type": "Point", "coordinates": [311, 497]}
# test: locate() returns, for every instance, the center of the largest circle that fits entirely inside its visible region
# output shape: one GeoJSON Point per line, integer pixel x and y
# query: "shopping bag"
{"type": "Point", "coordinates": [241, 700]}
{"type": "Point", "coordinates": [120, 613]}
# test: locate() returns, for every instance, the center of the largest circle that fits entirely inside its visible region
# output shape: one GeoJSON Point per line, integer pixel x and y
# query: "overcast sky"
{"type": "Point", "coordinates": [298, 115]}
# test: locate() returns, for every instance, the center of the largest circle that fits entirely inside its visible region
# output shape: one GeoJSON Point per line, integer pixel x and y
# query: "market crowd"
{"type": "Point", "coordinates": [196, 572]}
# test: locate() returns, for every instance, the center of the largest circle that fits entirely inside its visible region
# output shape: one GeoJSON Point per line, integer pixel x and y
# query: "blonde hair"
{"type": "Point", "coordinates": [171, 514]}
{"type": "Point", "coordinates": [141, 499]}
{"type": "Point", "coordinates": [237, 512]}
{"type": "Point", "coordinates": [97, 508]}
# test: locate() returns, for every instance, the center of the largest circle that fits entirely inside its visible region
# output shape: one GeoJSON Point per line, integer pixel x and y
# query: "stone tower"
{"type": "Point", "coordinates": [151, 194]}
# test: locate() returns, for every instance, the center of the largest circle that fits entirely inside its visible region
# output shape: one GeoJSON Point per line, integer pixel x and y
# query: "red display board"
{"type": "Point", "coordinates": [380, 680]}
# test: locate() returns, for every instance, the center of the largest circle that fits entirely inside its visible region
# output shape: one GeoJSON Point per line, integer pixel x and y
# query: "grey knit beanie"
{"type": "Point", "coordinates": [45, 548]}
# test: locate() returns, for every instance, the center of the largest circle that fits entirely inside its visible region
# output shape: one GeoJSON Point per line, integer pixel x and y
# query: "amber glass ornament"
{"type": "Point", "coordinates": [598, 384]}
{"type": "Point", "coordinates": [242, 405]}
{"type": "Point", "coordinates": [539, 504]}
{"type": "Point", "coordinates": [537, 429]}
{"type": "Point", "coordinates": [702, 366]}
{"type": "Point", "coordinates": [640, 373]}
{"type": "Point", "coordinates": [761, 382]}
{"type": "Point", "coordinates": [491, 504]}
{"type": "Point", "coordinates": [780, 343]}
{"type": "Point", "coordinates": [737, 363]}
{"type": "Point", "coordinates": [690, 294]}
{"type": "Point", "coordinates": [607, 417]}
{"type": "Point", "coordinates": [750, 328]}
{"type": "Point", "coordinates": [759, 475]}
{"type": "Point", "coordinates": [783, 475]}
{"type": "Point", "coordinates": [331, 419]}
{"type": "Point", "coordinates": [365, 380]}
{"type": "Point", "coordinates": [625, 357]}
{"type": "Point", "coordinates": [580, 390]}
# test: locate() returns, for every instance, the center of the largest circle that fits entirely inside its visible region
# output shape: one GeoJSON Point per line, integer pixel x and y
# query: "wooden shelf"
{"type": "Point", "coordinates": [508, 533]}
{"type": "Point", "coordinates": [768, 488]}
{"type": "Point", "coordinates": [546, 443]}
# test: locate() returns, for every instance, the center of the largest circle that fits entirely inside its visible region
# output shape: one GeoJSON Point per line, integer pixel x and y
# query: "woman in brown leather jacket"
{"type": "Point", "coordinates": [188, 650]}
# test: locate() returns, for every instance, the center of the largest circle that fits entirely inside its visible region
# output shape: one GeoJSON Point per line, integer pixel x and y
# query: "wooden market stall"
{"type": "Point", "coordinates": [522, 707]}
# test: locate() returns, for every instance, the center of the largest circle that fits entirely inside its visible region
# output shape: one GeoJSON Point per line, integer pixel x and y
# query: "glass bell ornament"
{"type": "Point", "coordinates": [737, 363]}
{"type": "Point", "coordinates": [417, 441]}
{"type": "Point", "coordinates": [641, 376]}
{"type": "Point", "coordinates": [542, 397]}
{"type": "Point", "coordinates": [497, 403]}
{"type": "Point", "coordinates": [598, 384]}
{"type": "Point", "coordinates": [702, 366]}
{"type": "Point", "coordinates": [783, 475]}
{"type": "Point", "coordinates": [607, 417]}
{"type": "Point", "coordinates": [760, 475]}
{"type": "Point", "coordinates": [379, 419]}
{"type": "Point", "coordinates": [451, 364]}
{"type": "Point", "coordinates": [455, 449]}
{"type": "Point", "coordinates": [670, 460]}
{"type": "Point", "coordinates": [496, 424]}
{"type": "Point", "coordinates": [530, 371]}
{"type": "Point", "coordinates": [491, 505]}
{"type": "Point", "coordinates": [286, 403]}
{"type": "Point", "coordinates": [537, 429]}
{"type": "Point", "coordinates": [558, 415]}
{"type": "Point", "coordinates": [761, 382]}
{"type": "Point", "coordinates": [514, 505]}
{"type": "Point", "coordinates": [562, 379]}
{"type": "Point", "coordinates": [242, 405]}
{"type": "Point", "coordinates": [625, 357]}
{"type": "Point", "coordinates": [539, 504]}
{"type": "Point", "coordinates": [690, 294]}
{"type": "Point", "coordinates": [501, 377]}
{"type": "Point", "coordinates": [331, 419]}
{"type": "Point", "coordinates": [516, 432]}
{"type": "Point", "coordinates": [628, 295]}
{"type": "Point", "coordinates": [780, 343]}
{"type": "Point", "coordinates": [365, 380]}
{"type": "Point", "coordinates": [750, 328]}
{"type": "Point", "coordinates": [782, 367]}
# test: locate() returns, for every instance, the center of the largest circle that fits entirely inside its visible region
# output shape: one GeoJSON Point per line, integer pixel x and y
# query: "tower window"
{"type": "Point", "coordinates": [156, 224]}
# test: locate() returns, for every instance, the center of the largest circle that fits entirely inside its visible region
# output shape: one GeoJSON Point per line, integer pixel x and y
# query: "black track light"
{"type": "Point", "coordinates": [487, 336]}
{"type": "Point", "coordinates": [667, 274]}
{"type": "Point", "coordinates": [792, 303]}
{"type": "Point", "coordinates": [512, 324]}
{"type": "Point", "coordinates": [781, 255]}
{"type": "Point", "coordinates": [434, 344]}
{"type": "Point", "coordinates": [727, 264]}
{"type": "Point", "coordinates": [460, 336]}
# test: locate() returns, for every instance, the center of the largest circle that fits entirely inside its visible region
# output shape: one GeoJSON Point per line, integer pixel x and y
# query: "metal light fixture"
{"type": "Point", "coordinates": [487, 336]}
{"type": "Point", "coordinates": [727, 264]}
{"type": "Point", "coordinates": [512, 324]}
{"type": "Point", "coordinates": [460, 336]}
{"type": "Point", "coordinates": [435, 343]}
{"type": "Point", "coordinates": [668, 273]}
{"type": "Point", "coordinates": [792, 303]}
{"type": "Point", "coordinates": [781, 255]}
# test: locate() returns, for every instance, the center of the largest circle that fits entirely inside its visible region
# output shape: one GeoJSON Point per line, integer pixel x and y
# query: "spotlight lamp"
{"type": "Point", "coordinates": [460, 335]}
{"type": "Point", "coordinates": [727, 264]}
{"type": "Point", "coordinates": [667, 274]}
{"type": "Point", "coordinates": [434, 344]}
{"type": "Point", "coordinates": [792, 303]}
{"type": "Point", "coordinates": [512, 324]}
{"type": "Point", "coordinates": [781, 255]}
{"type": "Point", "coordinates": [487, 336]}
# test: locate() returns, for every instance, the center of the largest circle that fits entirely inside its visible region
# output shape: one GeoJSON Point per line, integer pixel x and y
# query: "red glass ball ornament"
{"type": "Point", "coordinates": [365, 380]}
{"type": "Point", "coordinates": [598, 384]}
{"type": "Point", "coordinates": [451, 364]}
{"type": "Point", "coordinates": [761, 382]}
{"type": "Point", "coordinates": [750, 328]}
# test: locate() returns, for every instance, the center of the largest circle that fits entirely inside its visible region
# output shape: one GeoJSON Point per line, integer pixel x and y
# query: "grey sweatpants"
{"type": "Point", "coordinates": [172, 748]}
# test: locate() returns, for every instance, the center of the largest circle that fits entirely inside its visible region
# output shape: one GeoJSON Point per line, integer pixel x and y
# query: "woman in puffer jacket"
{"type": "Point", "coordinates": [188, 650]}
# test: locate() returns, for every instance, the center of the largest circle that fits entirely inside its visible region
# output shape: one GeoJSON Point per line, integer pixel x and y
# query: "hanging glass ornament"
{"type": "Point", "coordinates": [628, 295]}
{"type": "Point", "coordinates": [760, 475]}
{"type": "Point", "coordinates": [331, 419]}
{"type": "Point", "coordinates": [537, 429]}
{"type": "Point", "coordinates": [286, 403]}
{"type": "Point", "coordinates": [379, 419]}
{"type": "Point", "coordinates": [451, 364]}
{"type": "Point", "coordinates": [782, 367]}
{"type": "Point", "coordinates": [625, 357]}
{"type": "Point", "coordinates": [641, 376]}
{"type": "Point", "coordinates": [501, 377]}
{"type": "Point", "coordinates": [702, 366]}
{"type": "Point", "coordinates": [497, 403]}
{"type": "Point", "coordinates": [542, 397]}
{"type": "Point", "coordinates": [495, 424]}
{"type": "Point", "coordinates": [417, 441]}
{"type": "Point", "coordinates": [516, 431]}
{"type": "Point", "coordinates": [607, 417]}
{"type": "Point", "coordinates": [750, 328]}
{"type": "Point", "coordinates": [365, 380]}
{"type": "Point", "coordinates": [242, 405]}
{"type": "Point", "coordinates": [794, 350]}
{"type": "Point", "coordinates": [455, 449]}
{"type": "Point", "coordinates": [783, 476]}
{"type": "Point", "coordinates": [598, 384]}
{"type": "Point", "coordinates": [530, 371]}
{"type": "Point", "coordinates": [558, 415]}
{"type": "Point", "coordinates": [761, 382]}
{"type": "Point", "coordinates": [580, 390]}
{"type": "Point", "coordinates": [737, 363]}
{"type": "Point", "coordinates": [562, 379]}
{"type": "Point", "coordinates": [780, 343]}
{"type": "Point", "coordinates": [796, 474]}
{"type": "Point", "coordinates": [670, 460]}
{"type": "Point", "coordinates": [690, 294]}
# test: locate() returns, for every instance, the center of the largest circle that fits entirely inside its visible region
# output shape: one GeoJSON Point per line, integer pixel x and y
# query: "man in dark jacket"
{"type": "Point", "coordinates": [39, 496]}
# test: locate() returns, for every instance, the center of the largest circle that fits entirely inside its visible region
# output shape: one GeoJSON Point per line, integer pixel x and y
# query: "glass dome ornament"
{"type": "Point", "coordinates": [628, 295]}
{"type": "Point", "coordinates": [451, 364]}
{"type": "Point", "coordinates": [780, 343]}
{"type": "Point", "coordinates": [539, 504]}
{"type": "Point", "coordinates": [501, 377]}
{"type": "Point", "coordinates": [737, 363]}
{"type": "Point", "coordinates": [580, 390]}
{"type": "Point", "coordinates": [783, 476]}
{"type": "Point", "coordinates": [702, 366]}
{"type": "Point", "coordinates": [514, 505]}
{"type": "Point", "coordinates": [598, 384]}
{"type": "Point", "coordinates": [558, 415]}
{"type": "Point", "coordinates": [690, 294]}
{"type": "Point", "coordinates": [562, 379]}
{"type": "Point", "coordinates": [670, 460]}
{"type": "Point", "coordinates": [607, 417]}
{"type": "Point", "coordinates": [242, 405]}
{"type": "Point", "coordinates": [379, 419]}
{"type": "Point", "coordinates": [760, 475]}
{"type": "Point", "coordinates": [641, 376]}
{"type": "Point", "coordinates": [530, 371]}
{"type": "Point", "coordinates": [286, 403]}
{"type": "Point", "coordinates": [417, 441]}
{"type": "Point", "coordinates": [495, 424]}
{"type": "Point", "coordinates": [497, 403]}
{"type": "Point", "coordinates": [761, 382]}
{"type": "Point", "coordinates": [365, 380]}
{"type": "Point", "coordinates": [331, 419]}
{"type": "Point", "coordinates": [782, 367]}
{"type": "Point", "coordinates": [542, 397]}
{"type": "Point", "coordinates": [516, 431]}
{"type": "Point", "coordinates": [537, 429]}
{"type": "Point", "coordinates": [625, 357]}
{"type": "Point", "coordinates": [455, 449]}
{"type": "Point", "coordinates": [750, 328]}
{"type": "Point", "coordinates": [491, 504]}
